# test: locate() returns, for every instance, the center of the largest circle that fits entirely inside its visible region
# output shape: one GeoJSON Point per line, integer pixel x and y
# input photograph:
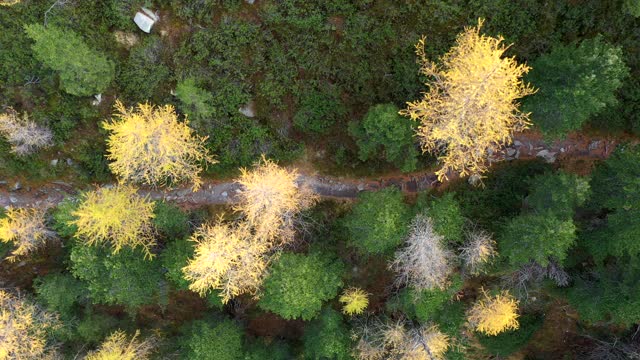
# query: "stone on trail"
{"type": "Point", "coordinates": [145, 19]}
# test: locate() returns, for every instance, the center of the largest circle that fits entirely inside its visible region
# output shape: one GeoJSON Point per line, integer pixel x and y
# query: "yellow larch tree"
{"type": "Point", "coordinates": [227, 258]}
{"type": "Point", "coordinates": [9, 2]}
{"type": "Point", "coordinates": [425, 343]}
{"type": "Point", "coordinates": [115, 215]}
{"type": "Point", "coordinates": [470, 109]}
{"type": "Point", "coordinates": [492, 315]}
{"type": "Point", "coordinates": [270, 200]}
{"type": "Point", "coordinates": [23, 328]}
{"type": "Point", "coordinates": [355, 301]}
{"type": "Point", "coordinates": [26, 228]}
{"type": "Point", "coordinates": [119, 347]}
{"type": "Point", "coordinates": [149, 145]}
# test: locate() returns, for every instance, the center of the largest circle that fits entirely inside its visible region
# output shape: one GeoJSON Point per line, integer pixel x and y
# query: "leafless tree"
{"type": "Point", "coordinates": [611, 350]}
{"type": "Point", "coordinates": [424, 263]}
{"type": "Point", "coordinates": [24, 135]}
{"type": "Point", "coordinates": [477, 251]}
{"type": "Point", "coordinates": [533, 273]}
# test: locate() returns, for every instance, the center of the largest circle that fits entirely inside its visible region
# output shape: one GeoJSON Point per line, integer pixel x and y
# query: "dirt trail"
{"type": "Point", "coordinates": [525, 146]}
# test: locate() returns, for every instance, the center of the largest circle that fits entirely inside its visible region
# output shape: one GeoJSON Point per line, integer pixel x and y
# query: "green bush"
{"type": "Point", "coordinates": [327, 337]}
{"type": "Point", "coordinates": [62, 217]}
{"type": "Point", "coordinates": [298, 284]}
{"type": "Point", "coordinates": [144, 75]}
{"type": "Point", "coordinates": [174, 258]}
{"type": "Point", "coordinates": [170, 220]}
{"type": "Point", "coordinates": [560, 193]}
{"type": "Point", "coordinates": [383, 133]}
{"type": "Point", "coordinates": [259, 350]}
{"type": "Point", "coordinates": [426, 304]}
{"type": "Point", "coordinates": [221, 340]}
{"type": "Point", "coordinates": [318, 110]}
{"type": "Point", "coordinates": [195, 101]}
{"type": "Point", "coordinates": [507, 343]}
{"type": "Point", "coordinates": [537, 237]}
{"type": "Point", "coordinates": [575, 82]}
{"type": "Point", "coordinates": [82, 71]}
{"type": "Point", "coordinates": [446, 214]}
{"type": "Point", "coordinates": [125, 278]}
{"type": "Point", "coordinates": [94, 327]}
{"type": "Point", "coordinates": [59, 293]}
{"type": "Point", "coordinates": [378, 223]}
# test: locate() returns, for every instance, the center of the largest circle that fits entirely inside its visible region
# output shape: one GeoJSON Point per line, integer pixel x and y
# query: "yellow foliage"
{"type": "Point", "coordinates": [227, 258]}
{"type": "Point", "coordinates": [151, 146]}
{"type": "Point", "coordinates": [271, 198]}
{"type": "Point", "coordinates": [493, 315]}
{"type": "Point", "coordinates": [355, 301]}
{"type": "Point", "coordinates": [9, 2]}
{"type": "Point", "coordinates": [26, 228]}
{"type": "Point", "coordinates": [116, 215]}
{"type": "Point", "coordinates": [23, 328]}
{"type": "Point", "coordinates": [470, 108]}
{"type": "Point", "coordinates": [118, 347]}
{"type": "Point", "coordinates": [428, 343]}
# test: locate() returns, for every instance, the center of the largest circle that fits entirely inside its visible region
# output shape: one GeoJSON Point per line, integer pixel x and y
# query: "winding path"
{"type": "Point", "coordinates": [525, 146]}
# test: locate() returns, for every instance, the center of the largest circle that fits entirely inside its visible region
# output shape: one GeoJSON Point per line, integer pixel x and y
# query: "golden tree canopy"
{"type": "Point", "coordinates": [355, 301]}
{"type": "Point", "coordinates": [9, 2]}
{"type": "Point", "coordinates": [227, 258]}
{"type": "Point", "coordinates": [271, 198]}
{"type": "Point", "coordinates": [118, 347]}
{"type": "Point", "coordinates": [493, 315]}
{"type": "Point", "coordinates": [26, 228]}
{"type": "Point", "coordinates": [470, 108]}
{"type": "Point", "coordinates": [23, 328]}
{"type": "Point", "coordinates": [149, 145]}
{"type": "Point", "coordinates": [116, 215]}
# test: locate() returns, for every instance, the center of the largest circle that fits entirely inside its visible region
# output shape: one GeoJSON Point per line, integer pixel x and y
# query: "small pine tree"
{"type": "Point", "coordinates": [118, 347]}
{"type": "Point", "coordinates": [149, 145]}
{"type": "Point", "coordinates": [471, 107]}
{"type": "Point", "coordinates": [118, 216]}
{"type": "Point", "coordinates": [26, 228]}
{"type": "Point", "coordinates": [355, 301]}
{"type": "Point", "coordinates": [492, 315]}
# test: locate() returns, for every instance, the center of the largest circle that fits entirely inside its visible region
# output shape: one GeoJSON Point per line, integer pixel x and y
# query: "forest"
{"type": "Point", "coordinates": [319, 179]}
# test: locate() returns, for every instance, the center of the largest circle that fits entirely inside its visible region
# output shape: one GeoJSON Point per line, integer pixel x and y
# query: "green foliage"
{"type": "Point", "coordinates": [170, 221]}
{"type": "Point", "coordinates": [575, 82]}
{"type": "Point", "coordinates": [221, 340]}
{"type": "Point", "coordinates": [536, 237]}
{"type": "Point", "coordinates": [608, 294]}
{"type": "Point", "coordinates": [62, 218]}
{"type": "Point", "coordinates": [378, 223]}
{"type": "Point", "coordinates": [318, 110]}
{"type": "Point", "coordinates": [632, 7]}
{"type": "Point", "coordinates": [82, 71]}
{"type": "Point", "coordinates": [616, 188]}
{"type": "Point", "coordinates": [59, 293]}
{"type": "Point", "coordinates": [559, 193]}
{"type": "Point", "coordinates": [384, 133]}
{"type": "Point", "coordinates": [446, 214]}
{"type": "Point", "coordinates": [144, 74]}
{"type": "Point", "coordinates": [94, 327]}
{"type": "Point", "coordinates": [124, 278]}
{"type": "Point", "coordinates": [195, 102]}
{"type": "Point", "coordinates": [174, 258]}
{"type": "Point", "coordinates": [259, 350]}
{"type": "Point", "coordinates": [327, 337]}
{"type": "Point", "coordinates": [509, 342]}
{"type": "Point", "coordinates": [298, 284]}
{"type": "Point", "coordinates": [427, 304]}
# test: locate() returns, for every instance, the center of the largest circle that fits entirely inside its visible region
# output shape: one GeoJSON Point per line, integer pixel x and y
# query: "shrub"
{"type": "Point", "coordinates": [327, 337]}
{"type": "Point", "coordinates": [63, 217]}
{"type": "Point", "coordinates": [509, 342]}
{"type": "Point", "coordinates": [83, 71]}
{"type": "Point", "coordinates": [559, 194]}
{"type": "Point", "coordinates": [446, 214]}
{"type": "Point", "coordinates": [383, 133]}
{"type": "Point", "coordinates": [575, 82]}
{"type": "Point", "coordinates": [318, 110]}
{"type": "Point", "coordinates": [213, 341]}
{"type": "Point", "coordinates": [175, 257]}
{"type": "Point", "coordinates": [59, 293]}
{"type": "Point", "coordinates": [538, 237]}
{"type": "Point", "coordinates": [170, 220]}
{"type": "Point", "coordinates": [298, 284]}
{"type": "Point", "coordinates": [196, 102]}
{"type": "Point", "coordinates": [259, 350]}
{"type": "Point", "coordinates": [144, 74]}
{"type": "Point", "coordinates": [124, 278]}
{"type": "Point", "coordinates": [378, 222]}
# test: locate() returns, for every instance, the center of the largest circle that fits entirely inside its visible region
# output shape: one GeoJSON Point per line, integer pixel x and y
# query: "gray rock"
{"type": "Point", "coordinates": [224, 194]}
{"type": "Point", "coordinates": [594, 145]}
{"type": "Point", "coordinates": [517, 143]}
{"type": "Point", "coordinates": [13, 199]}
{"type": "Point", "coordinates": [250, 2]}
{"type": "Point", "coordinates": [360, 187]}
{"type": "Point", "coordinates": [17, 186]}
{"type": "Point", "coordinates": [548, 156]}
{"type": "Point", "coordinates": [249, 110]}
{"type": "Point", "coordinates": [145, 19]}
{"type": "Point", "coordinates": [69, 162]}
{"type": "Point", "coordinates": [54, 162]}
{"type": "Point", "coordinates": [511, 151]}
